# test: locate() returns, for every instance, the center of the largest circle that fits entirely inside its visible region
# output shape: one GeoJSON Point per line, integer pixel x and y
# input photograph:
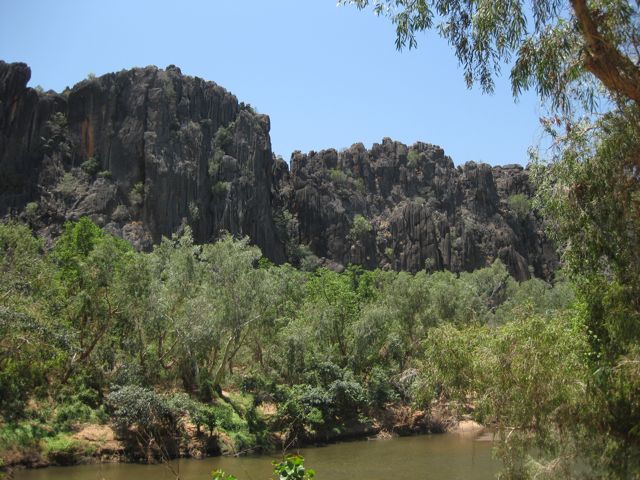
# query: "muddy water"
{"type": "Point", "coordinates": [442, 457]}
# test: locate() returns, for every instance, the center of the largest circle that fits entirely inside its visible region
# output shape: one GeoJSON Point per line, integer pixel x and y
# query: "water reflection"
{"type": "Point", "coordinates": [442, 457]}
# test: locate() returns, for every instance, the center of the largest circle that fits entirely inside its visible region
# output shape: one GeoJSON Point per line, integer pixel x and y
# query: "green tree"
{"type": "Point", "coordinates": [210, 301]}
{"type": "Point", "coordinates": [331, 307]}
{"type": "Point", "coordinates": [90, 268]}
{"type": "Point", "coordinates": [556, 47]}
{"type": "Point", "coordinates": [576, 54]}
{"type": "Point", "coordinates": [528, 378]}
{"type": "Point", "coordinates": [32, 343]}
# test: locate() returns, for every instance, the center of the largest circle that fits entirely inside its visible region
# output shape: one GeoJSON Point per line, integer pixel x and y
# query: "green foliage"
{"type": "Point", "coordinates": [68, 184]}
{"type": "Point", "coordinates": [141, 407]}
{"type": "Point", "coordinates": [23, 434]}
{"type": "Point", "coordinates": [77, 241]}
{"type": "Point", "coordinates": [136, 195]}
{"type": "Point", "coordinates": [76, 412]}
{"type": "Point", "coordinates": [412, 158]}
{"type": "Point", "coordinates": [292, 468]}
{"type": "Point", "coordinates": [224, 137]}
{"type": "Point", "coordinates": [91, 166]}
{"type": "Point", "coordinates": [31, 211]}
{"type": "Point", "coordinates": [589, 194]}
{"type": "Point", "coordinates": [57, 139]}
{"type": "Point", "coordinates": [544, 41]}
{"type": "Point", "coordinates": [338, 176]}
{"type": "Point", "coordinates": [328, 349]}
{"type": "Point", "coordinates": [28, 340]}
{"type": "Point", "coordinates": [221, 475]}
{"type": "Point", "coordinates": [359, 184]}
{"type": "Point", "coordinates": [194, 211]}
{"type": "Point", "coordinates": [301, 409]}
{"type": "Point", "coordinates": [65, 450]}
{"type": "Point", "coordinates": [527, 377]}
{"type": "Point", "coordinates": [220, 188]}
{"type": "Point", "coordinates": [206, 415]}
{"type": "Point", "coordinates": [520, 205]}
{"type": "Point", "coordinates": [222, 143]}
{"type": "Point", "coordinates": [360, 227]}
{"type": "Point", "coordinates": [379, 388]}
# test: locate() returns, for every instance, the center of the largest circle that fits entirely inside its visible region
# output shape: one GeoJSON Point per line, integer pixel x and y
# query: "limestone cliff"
{"type": "Point", "coordinates": [146, 151]}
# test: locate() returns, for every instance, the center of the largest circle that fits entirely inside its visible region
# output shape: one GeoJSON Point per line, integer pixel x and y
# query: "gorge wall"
{"type": "Point", "coordinates": [144, 152]}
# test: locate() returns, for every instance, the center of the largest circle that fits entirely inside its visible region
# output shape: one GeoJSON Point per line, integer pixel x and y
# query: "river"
{"type": "Point", "coordinates": [444, 457]}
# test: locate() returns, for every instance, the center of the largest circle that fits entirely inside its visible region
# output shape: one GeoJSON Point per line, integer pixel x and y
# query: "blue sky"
{"type": "Point", "coordinates": [327, 76]}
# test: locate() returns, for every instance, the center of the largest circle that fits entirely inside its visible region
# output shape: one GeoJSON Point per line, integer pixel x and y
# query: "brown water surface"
{"type": "Point", "coordinates": [442, 457]}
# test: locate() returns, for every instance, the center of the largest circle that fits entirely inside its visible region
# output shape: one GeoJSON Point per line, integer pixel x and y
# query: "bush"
{"type": "Point", "coordinates": [215, 161]}
{"type": "Point", "coordinates": [224, 137]}
{"type": "Point", "coordinates": [91, 166]}
{"type": "Point", "coordinates": [141, 407]}
{"type": "Point", "coordinates": [194, 211]}
{"type": "Point", "coordinates": [136, 195]}
{"type": "Point", "coordinates": [67, 185]}
{"type": "Point", "coordinates": [347, 395]}
{"type": "Point", "coordinates": [205, 415]}
{"type": "Point", "coordinates": [221, 475]}
{"type": "Point", "coordinates": [226, 417]}
{"type": "Point", "coordinates": [65, 450]}
{"type": "Point", "coordinates": [338, 176]}
{"type": "Point", "coordinates": [292, 468]}
{"type": "Point", "coordinates": [31, 210]}
{"type": "Point", "coordinates": [412, 158]}
{"type": "Point", "coordinates": [220, 188]}
{"type": "Point", "coordinates": [23, 434]}
{"type": "Point", "coordinates": [379, 389]}
{"type": "Point", "coordinates": [360, 228]}
{"type": "Point", "coordinates": [520, 205]}
{"type": "Point", "coordinates": [301, 409]}
{"type": "Point", "coordinates": [71, 414]}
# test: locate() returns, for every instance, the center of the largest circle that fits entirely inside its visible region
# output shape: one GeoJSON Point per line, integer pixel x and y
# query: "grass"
{"type": "Point", "coordinates": [65, 450]}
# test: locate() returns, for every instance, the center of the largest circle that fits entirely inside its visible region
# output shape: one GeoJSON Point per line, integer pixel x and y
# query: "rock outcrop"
{"type": "Point", "coordinates": [141, 152]}
{"type": "Point", "coordinates": [416, 210]}
{"type": "Point", "coordinates": [144, 152]}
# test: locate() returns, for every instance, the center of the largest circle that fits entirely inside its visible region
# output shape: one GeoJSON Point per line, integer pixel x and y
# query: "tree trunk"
{"type": "Point", "coordinates": [614, 69]}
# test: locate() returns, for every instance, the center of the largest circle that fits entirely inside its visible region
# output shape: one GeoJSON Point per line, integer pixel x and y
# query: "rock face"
{"type": "Point", "coordinates": [416, 210]}
{"type": "Point", "coordinates": [141, 152]}
{"type": "Point", "coordinates": [146, 151]}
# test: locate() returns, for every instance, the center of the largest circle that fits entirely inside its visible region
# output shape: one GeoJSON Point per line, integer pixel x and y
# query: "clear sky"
{"type": "Point", "coordinates": [327, 76]}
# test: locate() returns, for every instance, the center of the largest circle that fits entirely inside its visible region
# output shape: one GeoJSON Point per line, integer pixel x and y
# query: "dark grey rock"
{"type": "Point", "coordinates": [144, 152]}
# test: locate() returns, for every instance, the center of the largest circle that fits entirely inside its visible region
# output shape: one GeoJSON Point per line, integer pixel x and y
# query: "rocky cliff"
{"type": "Point", "coordinates": [146, 151]}
{"type": "Point", "coordinates": [410, 208]}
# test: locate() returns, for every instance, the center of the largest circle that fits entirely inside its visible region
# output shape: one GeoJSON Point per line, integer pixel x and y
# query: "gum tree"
{"type": "Point", "coordinates": [582, 58]}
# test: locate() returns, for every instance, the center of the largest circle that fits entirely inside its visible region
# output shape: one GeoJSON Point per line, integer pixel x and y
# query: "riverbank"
{"type": "Point", "coordinates": [447, 456]}
{"type": "Point", "coordinates": [94, 443]}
